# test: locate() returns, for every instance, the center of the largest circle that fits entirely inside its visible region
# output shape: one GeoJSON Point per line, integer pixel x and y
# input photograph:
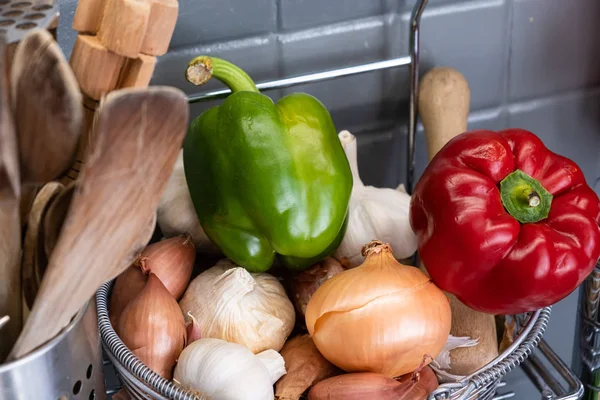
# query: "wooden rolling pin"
{"type": "Point", "coordinates": [444, 99]}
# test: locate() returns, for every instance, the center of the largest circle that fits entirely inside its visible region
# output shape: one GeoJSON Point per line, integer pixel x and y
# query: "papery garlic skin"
{"type": "Point", "coordinates": [232, 304]}
{"type": "Point", "coordinates": [176, 214]}
{"type": "Point", "coordinates": [380, 213]}
{"type": "Point", "coordinates": [221, 370]}
{"type": "Point", "coordinates": [274, 363]}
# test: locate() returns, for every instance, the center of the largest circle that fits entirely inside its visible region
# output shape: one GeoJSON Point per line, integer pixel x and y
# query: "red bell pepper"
{"type": "Point", "coordinates": [503, 223]}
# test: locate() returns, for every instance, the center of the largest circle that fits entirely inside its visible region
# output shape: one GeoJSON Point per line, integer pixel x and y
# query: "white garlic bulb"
{"type": "Point", "coordinates": [232, 304]}
{"type": "Point", "coordinates": [374, 213]}
{"type": "Point", "coordinates": [220, 370]}
{"type": "Point", "coordinates": [176, 214]}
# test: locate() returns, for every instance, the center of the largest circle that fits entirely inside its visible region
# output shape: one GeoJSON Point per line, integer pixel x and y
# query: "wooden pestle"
{"type": "Point", "coordinates": [116, 48]}
{"type": "Point", "coordinates": [444, 99]}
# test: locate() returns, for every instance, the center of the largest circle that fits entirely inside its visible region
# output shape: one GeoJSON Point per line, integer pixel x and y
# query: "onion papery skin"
{"type": "Point", "coordinates": [381, 317]}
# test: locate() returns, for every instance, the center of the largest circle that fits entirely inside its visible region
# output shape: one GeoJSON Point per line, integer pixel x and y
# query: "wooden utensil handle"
{"type": "Point", "coordinates": [444, 100]}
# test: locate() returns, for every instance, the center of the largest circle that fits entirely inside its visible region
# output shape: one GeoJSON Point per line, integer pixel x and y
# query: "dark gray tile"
{"type": "Point", "coordinates": [300, 14]}
{"type": "Point", "coordinates": [409, 4]}
{"type": "Point", "coordinates": [207, 21]}
{"type": "Point", "coordinates": [333, 46]}
{"type": "Point", "coordinates": [358, 97]}
{"type": "Point", "coordinates": [381, 157]}
{"type": "Point", "coordinates": [555, 45]}
{"type": "Point", "coordinates": [562, 326]}
{"type": "Point", "coordinates": [569, 125]}
{"type": "Point", "coordinates": [468, 36]}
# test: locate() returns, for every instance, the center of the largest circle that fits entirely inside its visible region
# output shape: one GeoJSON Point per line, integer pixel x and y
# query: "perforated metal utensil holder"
{"type": "Point", "coordinates": [68, 367]}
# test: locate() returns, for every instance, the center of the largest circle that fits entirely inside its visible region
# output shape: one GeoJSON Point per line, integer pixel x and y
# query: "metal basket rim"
{"type": "Point", "coordinates": [536, 322]}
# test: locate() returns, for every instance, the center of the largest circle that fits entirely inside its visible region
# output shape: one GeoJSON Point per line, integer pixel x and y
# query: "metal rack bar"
{"type": "Point", "coordinates": [308, 78]}
{"type": "Point", "coordinates": [545, 379]}
{"type": "Point", "coordinates": [415, 25]}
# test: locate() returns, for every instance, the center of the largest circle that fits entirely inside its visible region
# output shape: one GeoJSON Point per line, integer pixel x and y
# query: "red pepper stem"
{"type": "Point", "coordinates": [534, 199]}
{"type": "Point", "coordinates": [529, 198]}
{"type": "Point", "coordinates": [524, 197]}
{"type": "Point", "coordinates": [202, 68]}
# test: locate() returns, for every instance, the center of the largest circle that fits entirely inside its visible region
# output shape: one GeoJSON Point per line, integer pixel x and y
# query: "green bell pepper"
{"type": "Point", "coordinates": [267, 179]}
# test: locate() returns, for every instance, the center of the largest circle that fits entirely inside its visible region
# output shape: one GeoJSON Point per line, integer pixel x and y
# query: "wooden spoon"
{"type": "Point", "coordinates": [55, 217]}
{"type": "Point", "coordinates": [138, 134]}
{"type": "Point", "coordinates": [10, 222]}
{"type": "Point", "coordinates": [33, 246]}
{"type": "Point", "coordinates": [47, 107]}
{"type": "Point", "coordinates": [444, 100]}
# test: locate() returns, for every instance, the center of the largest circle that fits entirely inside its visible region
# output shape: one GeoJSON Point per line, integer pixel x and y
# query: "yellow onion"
{"type": "Point", "coordinates": [152, 327]}
{"type": "Point", "coordinates": [381, 316]}
{"type": "Point", "coordinates": [172, 261]}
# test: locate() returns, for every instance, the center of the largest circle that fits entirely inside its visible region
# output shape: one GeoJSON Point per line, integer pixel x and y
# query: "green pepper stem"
{"type": "Point", "coordinates": [202, 68]}
{"type": "Point", "coordinates": [524, 197]}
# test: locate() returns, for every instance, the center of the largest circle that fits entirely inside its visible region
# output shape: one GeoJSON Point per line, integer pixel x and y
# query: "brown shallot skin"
{"type": "Point", "coordinates": [153, 328]}
{"type": "Point", "coordinates": [126, 288]}
{"type": "Point", "coordinates": [307, 282]}
{"type": "Point", "coordinates": [172, 261]}
{"type": "Point", "coordinates": [305, 366]}
{"type": "Point", "coordinates": [370, 385]}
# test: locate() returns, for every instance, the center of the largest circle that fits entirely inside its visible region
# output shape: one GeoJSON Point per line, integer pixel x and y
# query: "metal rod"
{"type": "Point", "coordinates": [504, 396]}
{"type": "Point", "coordinates": [534, 376]}
{"type": "Point", "coordinates": [550, 382]}
{"type": "Point", "coordinates": [309, 78]}
{"type": "Point", "coordinates": [542, 377]}
{"type": "Point", "coordinates": [415, 25]}
{"type": "Point", "coordinates": [574, 383]}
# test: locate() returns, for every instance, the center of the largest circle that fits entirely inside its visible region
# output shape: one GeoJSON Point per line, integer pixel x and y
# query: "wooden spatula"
{"type": "Point", "coordinates": [137, 136]}
{"type": "Point", "coordinates": [47, 108]}
{"type": "Point", "coordinates": [10, 223]}
{"type": "Point", "coordinates": [444, 100]}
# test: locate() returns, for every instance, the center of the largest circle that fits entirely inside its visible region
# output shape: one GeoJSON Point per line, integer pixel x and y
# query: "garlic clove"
{"type": "Point", "coordinates": [274, 362]}
{"type": "Point", "coordinates": [220, 370]}
{"type": "Point", "coordinates": [373, 212]}
{"type": "Point", "coordinates": [176, 214]}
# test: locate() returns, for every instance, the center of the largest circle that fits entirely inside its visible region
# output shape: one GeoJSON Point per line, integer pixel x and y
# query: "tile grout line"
{"type": "Point", "coordinates": [507, 65]}
{"type": "Point", "coordinates": [279, 44]}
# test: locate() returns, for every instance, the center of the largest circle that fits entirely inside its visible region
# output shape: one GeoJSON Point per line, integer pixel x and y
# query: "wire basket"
{"type": "Point", "coordinates": [143, 383]}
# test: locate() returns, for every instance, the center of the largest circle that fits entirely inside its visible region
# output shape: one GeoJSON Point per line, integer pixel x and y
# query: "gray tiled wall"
{"type": "Point", "coordinates": [530, 63]}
